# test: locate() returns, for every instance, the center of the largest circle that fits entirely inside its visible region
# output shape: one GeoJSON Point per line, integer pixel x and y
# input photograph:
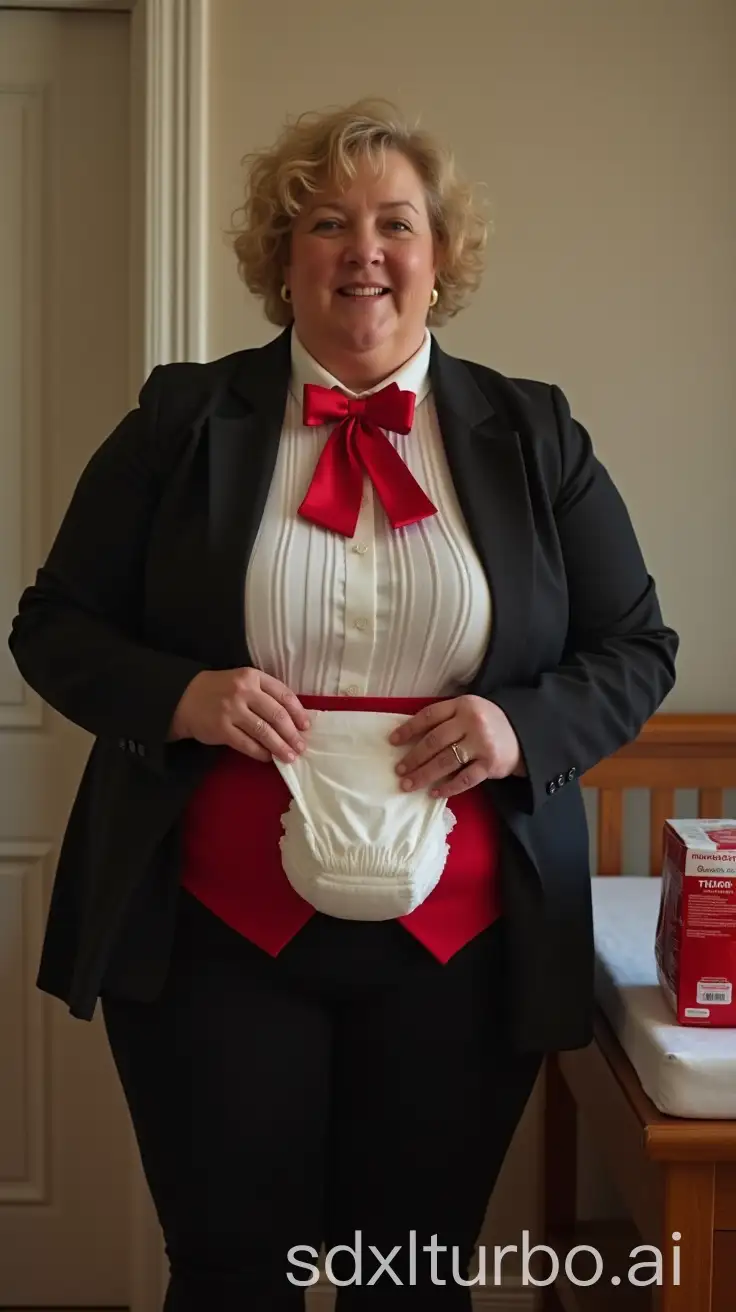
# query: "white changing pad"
{"type": "Point", "coordinates": [685, 1071]}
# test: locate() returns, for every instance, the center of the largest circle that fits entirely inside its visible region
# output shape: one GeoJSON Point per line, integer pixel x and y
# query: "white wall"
{"type": "Point", "coordinates": [604, 132]}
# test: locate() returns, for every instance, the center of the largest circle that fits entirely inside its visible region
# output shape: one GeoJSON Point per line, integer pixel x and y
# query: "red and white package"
{"type": "Point", "coordinates": [695, 946]}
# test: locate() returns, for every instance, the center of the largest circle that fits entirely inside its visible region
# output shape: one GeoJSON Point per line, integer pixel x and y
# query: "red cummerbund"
{"type": "Point", "coordinates": [231, 857]}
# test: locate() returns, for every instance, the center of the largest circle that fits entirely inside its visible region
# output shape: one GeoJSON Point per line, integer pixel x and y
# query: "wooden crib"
{"type": "Point", "coordinates": [673, 1174]}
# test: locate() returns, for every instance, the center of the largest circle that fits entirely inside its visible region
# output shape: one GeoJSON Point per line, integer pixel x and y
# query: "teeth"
{"type": "Point", "coordinates": [362, 291]}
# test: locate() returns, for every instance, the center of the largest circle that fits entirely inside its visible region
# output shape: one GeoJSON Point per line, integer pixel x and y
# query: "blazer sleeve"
{"type": "Point", "coordinates": [75, 637]}
{"type": "Point", "coordinates": [619, 659]}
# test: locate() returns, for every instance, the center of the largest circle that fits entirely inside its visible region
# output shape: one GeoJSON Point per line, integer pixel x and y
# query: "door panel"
{"type": "Point", "coordinates": [65, 1173]}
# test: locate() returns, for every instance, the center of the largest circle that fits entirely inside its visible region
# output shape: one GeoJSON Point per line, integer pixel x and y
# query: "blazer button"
{"type": "Point", "coordinates": [141, 749]}
{"type": "Point", "coordinates": [123, 744]}
{"type": "Point", "coordinates": [561, 781]}
{"type": "Point", "coordinates": [131, 746]}
{"type": "Point", "coordinates": [551, 787]}
{"type": "Point", "coordinates": [571, 774]}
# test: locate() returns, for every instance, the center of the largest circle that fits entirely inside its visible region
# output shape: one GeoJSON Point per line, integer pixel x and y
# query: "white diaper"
{"type": "Point", "coordinates": [355, 846]}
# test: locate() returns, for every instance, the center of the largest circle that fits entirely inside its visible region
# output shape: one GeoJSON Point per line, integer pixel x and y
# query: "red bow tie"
{"type": "Point", "coordinates": [359, 443]}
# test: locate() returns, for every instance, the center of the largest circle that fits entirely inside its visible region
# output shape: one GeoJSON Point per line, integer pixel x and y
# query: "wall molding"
{"type": "Point", "coordinates": [173, 69]}
{"type": "Point", "coordinates": [22, 881]}
{"type": "Point", "coordinates": [23, 111]}
{"type": "Point", "coordinates": [176, 180]}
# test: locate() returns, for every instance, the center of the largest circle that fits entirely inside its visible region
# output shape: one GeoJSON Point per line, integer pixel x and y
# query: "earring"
{"type": "Point", "coordinates": [434, 298]}
{"type": "Point", "coordinates": [285, 293]}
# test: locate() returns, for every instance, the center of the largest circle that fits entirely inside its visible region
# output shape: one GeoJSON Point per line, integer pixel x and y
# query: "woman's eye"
{"type": "Point", "coordinates": [333, 225]}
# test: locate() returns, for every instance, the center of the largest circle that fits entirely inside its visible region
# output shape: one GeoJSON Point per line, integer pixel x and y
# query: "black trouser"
{"type": "Point", "coordinates": [352, 1084]}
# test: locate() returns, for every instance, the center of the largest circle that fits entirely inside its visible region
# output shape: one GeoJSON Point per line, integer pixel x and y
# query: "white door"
{"type": "Point", "coordinates": [64, 383]}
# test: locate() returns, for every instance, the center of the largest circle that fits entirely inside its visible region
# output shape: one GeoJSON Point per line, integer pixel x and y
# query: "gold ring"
{"type": "Point", "coordinates": [258, 726]}
{"type": "Point", "coordinates": [462, 760]}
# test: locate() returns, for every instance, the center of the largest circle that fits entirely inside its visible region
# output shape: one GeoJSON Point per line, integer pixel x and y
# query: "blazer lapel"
{"type": "Point", "coordinates": [486, 462]}
{"type": "Point", "coordinates": [244, 432]}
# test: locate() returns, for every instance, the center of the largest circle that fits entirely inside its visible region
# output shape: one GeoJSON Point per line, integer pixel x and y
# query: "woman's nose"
{"type": "Point", "coordinates": [364, 246]}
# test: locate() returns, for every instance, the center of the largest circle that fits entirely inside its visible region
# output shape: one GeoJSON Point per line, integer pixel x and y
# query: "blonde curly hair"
{"type": "Point", "coordinates": [316, 146]}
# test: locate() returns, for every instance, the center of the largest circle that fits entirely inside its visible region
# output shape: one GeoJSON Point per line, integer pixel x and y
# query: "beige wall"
{"type": "Point", "coordinates": [604, 130]}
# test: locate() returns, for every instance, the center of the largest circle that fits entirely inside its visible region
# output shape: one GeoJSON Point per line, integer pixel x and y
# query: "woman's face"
{"type": "Point", "coordinates": [362, 271]}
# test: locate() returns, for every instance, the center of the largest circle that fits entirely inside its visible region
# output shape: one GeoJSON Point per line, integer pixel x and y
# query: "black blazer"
{"type": "Point", "coordinates": [144, 587]}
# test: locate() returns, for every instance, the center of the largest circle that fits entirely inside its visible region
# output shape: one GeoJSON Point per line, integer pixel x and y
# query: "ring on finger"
{"type": "Point", "coordinates": [259, 725]}
{"type": "Point", "coordinates": [461, 754]}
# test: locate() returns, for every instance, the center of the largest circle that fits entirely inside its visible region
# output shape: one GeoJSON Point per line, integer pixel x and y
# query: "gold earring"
{"type": "Point", "coordinates": [285, 293]}
{"type": "Point", "coordinates": [434, 298]}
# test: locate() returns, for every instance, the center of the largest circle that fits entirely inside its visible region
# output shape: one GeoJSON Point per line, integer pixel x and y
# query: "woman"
{"type": "Point", "coordinates": [324, 605]}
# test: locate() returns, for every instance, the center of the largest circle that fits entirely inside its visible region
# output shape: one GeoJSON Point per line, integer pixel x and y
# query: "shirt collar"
{"type": "Point", "coordinates": [413, 376]}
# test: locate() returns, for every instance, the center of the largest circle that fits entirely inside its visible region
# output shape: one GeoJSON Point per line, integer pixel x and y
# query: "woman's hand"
{"type": "Point", "coordinates": [484, 736]}
{"type": "Point", "coordinates": [244, 709]}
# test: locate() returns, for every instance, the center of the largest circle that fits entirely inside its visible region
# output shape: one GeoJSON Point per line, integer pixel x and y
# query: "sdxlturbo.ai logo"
{"type": "Point", "coordinates": [639, 1273]}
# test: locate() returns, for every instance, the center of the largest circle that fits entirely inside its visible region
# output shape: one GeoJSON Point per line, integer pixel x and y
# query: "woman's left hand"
{"type": "Point", "coordinates": [483, 735]}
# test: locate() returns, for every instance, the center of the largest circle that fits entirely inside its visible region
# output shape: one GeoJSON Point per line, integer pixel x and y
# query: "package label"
{"type": "Point", "coordinates": [695, 945]}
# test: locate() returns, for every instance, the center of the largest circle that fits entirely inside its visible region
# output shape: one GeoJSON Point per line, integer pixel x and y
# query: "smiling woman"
{"type": "Point", "coordinates": [361, 270]}
{"type": "Point", "coordinates": [357, 228]}
{"type": "Point", "coordinates": [331, 959]}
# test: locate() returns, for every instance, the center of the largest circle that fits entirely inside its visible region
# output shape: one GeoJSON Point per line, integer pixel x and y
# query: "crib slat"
{"type": "Point", "coordinates": [661, 808]}
{"type": "Point", "coordinates": [610, 830]}
{"type": "Point", "coordinates": [710, 803]}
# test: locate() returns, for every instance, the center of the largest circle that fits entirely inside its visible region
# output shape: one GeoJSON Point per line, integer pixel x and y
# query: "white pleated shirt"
{"type": "Point", "coordinates": [387, 613]}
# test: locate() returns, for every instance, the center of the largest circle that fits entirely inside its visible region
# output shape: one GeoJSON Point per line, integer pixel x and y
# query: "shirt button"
{"type": "Point", "coordinates": [352, 690]}
{"type": "Point", "coordinates": [360, 548]}
{"type": "Point", "coordinates": [361, 624]}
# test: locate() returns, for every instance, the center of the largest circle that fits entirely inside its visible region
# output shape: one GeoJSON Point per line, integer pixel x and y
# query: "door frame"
{"type": "Point", "coordinates": [173, 67]}
{"type": "Point", "coordinates": [170, 66]}
{"type": "Point", "coordinates": [169, 177]}
{"type": "Point", "coordinates": [170, 61]}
